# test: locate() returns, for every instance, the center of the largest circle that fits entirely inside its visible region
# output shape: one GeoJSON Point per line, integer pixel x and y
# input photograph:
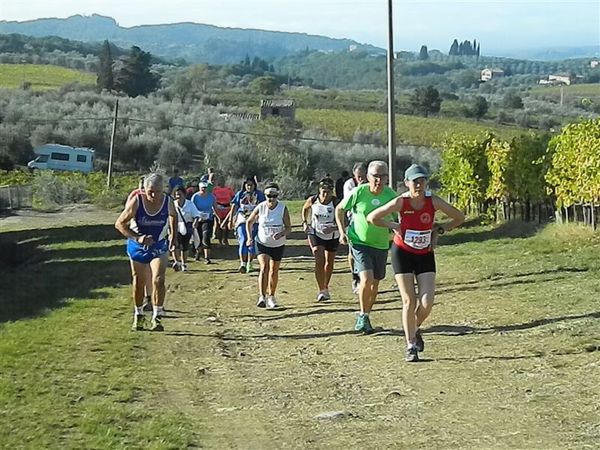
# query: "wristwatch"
{"type": "Point", "coordinates": [440, 230]}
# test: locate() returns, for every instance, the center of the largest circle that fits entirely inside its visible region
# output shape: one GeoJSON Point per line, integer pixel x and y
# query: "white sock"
{"type": "Point", "coordinates": [139, 310]}
{"type": "Point", "coordinates": [156, 311]}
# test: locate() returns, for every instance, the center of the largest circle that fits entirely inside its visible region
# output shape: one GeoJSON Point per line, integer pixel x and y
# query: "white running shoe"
{"type": "Point", "coordinates": [326, 294]}
{"type": "Point", "coordinates": [184, 267]}
{"type": "Point", "coordinates": [261, 303]}
{"type": "Point", "coordinates": [321, 296]}
{"type": "Point", "coordinates": [355, 287]}
{"type": "Point", "coordinates": [271, 302]}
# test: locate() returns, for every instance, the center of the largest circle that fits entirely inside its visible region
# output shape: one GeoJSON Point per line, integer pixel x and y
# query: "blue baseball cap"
{"type": "Point", "coordinates": [415, 171]}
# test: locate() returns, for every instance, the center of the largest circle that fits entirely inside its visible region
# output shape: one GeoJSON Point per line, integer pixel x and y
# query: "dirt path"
{"type": "Point", "coordinates": [254, 378]}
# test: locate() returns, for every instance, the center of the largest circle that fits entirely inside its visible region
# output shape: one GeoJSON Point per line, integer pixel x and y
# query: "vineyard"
{"type": "Point", "coordinates": [41, 77]}
{"type": "Point", "coordinates": [430, 131]}
{"type": "Point", "coordinates": [489, 174]}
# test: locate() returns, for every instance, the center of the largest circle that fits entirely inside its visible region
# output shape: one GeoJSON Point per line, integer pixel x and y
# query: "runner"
{"type": "Point", "coordinates": [205, 203]}
{"type": "Point", "coordinates": [148, 275]}
{"type": "Point", "coordinates": [273, 226]}
{"type": "Point", "coordinates": [369, 244]}
{"type": "Point", "coordinates": [339, 184]}
{"type": "Point", "coordinates": [224, 195]}
{"type": "Point", "coordinates": [318, 222]}
{"type": "Point", "coordinates": [188, 218]}
{"type": "Point", "coordinates": [145, 222]}
{"type": "Point", "coordinates": [175, 181]}
{"type": "Point", "coordinates": [359, 176]}
{"type": "Point", "coordinates": [415, 239]}
{"type": "Point", "coordinates": [242, 206]}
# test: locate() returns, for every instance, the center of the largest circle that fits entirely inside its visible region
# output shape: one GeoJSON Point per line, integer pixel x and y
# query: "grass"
{"type": "Point", "coordinates": [591, 90]}
{"type": "Point", "coordinates": [409, 129]}
{"type": "Point", "coordinates": [511, 358]}
{"type": "Point", "coordinates": [42, 77]}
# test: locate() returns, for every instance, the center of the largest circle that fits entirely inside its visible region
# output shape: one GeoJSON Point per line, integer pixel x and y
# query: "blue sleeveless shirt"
{"type": "Point", "coordinates": [154, 225]}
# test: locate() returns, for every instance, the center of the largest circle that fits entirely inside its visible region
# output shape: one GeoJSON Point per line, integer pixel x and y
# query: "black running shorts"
{"type": "Point", "coordinates": [407, 262]}
{"type": "Point", "coordinates": [276, 253]}
{"type": "Point", "coordinates": [330, 245]}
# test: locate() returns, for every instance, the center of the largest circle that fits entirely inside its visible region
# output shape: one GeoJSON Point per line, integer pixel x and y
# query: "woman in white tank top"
{"type": "Point", "coordinates": [273, 226]}
{"type": "Point", "coordinates": [318, 222]}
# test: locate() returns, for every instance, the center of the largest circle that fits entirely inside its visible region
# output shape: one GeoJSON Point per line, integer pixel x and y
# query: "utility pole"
{"type": "Point", "coordinates": [391, 101]}
{"type": "Point", "coordinates": [112, 145]}
{"type": "Point", "coordinates": [562, 94]}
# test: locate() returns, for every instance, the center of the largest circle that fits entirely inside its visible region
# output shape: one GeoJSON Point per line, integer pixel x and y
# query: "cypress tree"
{"type": "Point", "coordinates": [105, 78]}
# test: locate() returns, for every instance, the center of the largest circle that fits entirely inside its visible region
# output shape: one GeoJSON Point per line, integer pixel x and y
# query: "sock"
{"type": "Point", "coordinates": [139, 310]}
{"type": "Point", "coordinates": [156, 311]}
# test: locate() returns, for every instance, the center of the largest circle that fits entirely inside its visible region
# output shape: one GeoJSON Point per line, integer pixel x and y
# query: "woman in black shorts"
{"type": "Point", "coordinates": [318, 222]}
{"type": "Point", "coordinates": [415, 238]}
{"type": "Point", "coordinates": [273, 226]}
{"type": "Point", "coordinates": [187, 220]}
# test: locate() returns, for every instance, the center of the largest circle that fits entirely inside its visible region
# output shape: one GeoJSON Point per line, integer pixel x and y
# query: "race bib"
{"type": "Point", "coordinates": [204, 216]}
{"type": "Point", "coordinates": [325, 228]}
{"type": "Point", "coordinates": [272, 230]}
{"type": "Point", "coordinates": [418, 240]}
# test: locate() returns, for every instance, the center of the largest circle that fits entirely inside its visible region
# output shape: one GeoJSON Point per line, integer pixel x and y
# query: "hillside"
{"type": "Point", "coordinates": [191, 41]}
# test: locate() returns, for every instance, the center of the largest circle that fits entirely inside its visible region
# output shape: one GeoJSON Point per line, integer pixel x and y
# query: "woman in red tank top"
{"type": "Point", "coordinates": [415, 238]}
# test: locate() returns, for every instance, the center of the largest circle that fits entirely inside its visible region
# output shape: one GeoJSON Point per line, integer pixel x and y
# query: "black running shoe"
{"type": "Point", "coordinates": [412, 355]}
{"type": "Point", "coordinates": [157, 325]}
{"type": "Point", "coordinates": [138, 322]}
{"type": "Point", "coordinates": [419, 342]}
{"type": "Point", "coordinates": [242, 269]}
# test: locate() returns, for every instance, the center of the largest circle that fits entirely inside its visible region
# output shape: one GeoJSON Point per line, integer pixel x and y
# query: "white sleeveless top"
{"type": "Point", "coordinates": [270, 222]}
{"type": "Point", "coordinates": [323, 220]}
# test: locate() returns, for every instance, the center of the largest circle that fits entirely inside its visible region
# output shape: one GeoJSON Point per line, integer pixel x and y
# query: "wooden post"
{"type": "Point", "coordinates": [112, 145]}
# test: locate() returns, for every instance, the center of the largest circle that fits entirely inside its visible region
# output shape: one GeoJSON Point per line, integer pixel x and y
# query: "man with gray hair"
{"type": "Point", "coordinates": [149, 223]}
{"type": "Point", "coordinates": [369, 243]}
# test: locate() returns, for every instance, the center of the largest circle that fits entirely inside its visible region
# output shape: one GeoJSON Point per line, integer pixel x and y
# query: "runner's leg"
{"type": "Point", "coordinates": [139, 274]}
{"type": "Point", "coordinates": [426, 284]}
{"type": "Point", "coordinates": [273, 277]}
{"type": "Point", "coordinates": [319, 253]}
{"type": "Point", "coordinates": [263, 275]}
{"type": "Point", "coordinates": [406, 286]}
{"type": "Point", "coordinates": [329, 261]}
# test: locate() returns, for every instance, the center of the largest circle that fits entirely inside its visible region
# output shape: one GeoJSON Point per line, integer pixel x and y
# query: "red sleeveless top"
{"type": "Point", "coordinates": [415, 226]}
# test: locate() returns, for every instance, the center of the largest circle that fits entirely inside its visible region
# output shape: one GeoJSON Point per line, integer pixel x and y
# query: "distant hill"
{"type": "Point", "coordinates": [191, 41]}
{"type": "Point", "coordinates": [553, 53]}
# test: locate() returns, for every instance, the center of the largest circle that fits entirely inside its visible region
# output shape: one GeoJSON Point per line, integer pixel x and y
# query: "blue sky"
{"type": "Point", "coordinates": [499, 25]}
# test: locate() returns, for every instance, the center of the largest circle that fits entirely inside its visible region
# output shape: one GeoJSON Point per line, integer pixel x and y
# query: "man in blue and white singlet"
{"type": "Point", "coordinates": [149, 223]}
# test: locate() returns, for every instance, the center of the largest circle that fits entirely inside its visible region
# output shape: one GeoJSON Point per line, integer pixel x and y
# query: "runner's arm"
{"type": "Point", "coordinates": [340, 219]}
{"type": "Point", "coordinates": [250, 223]}
{"type": "Point", "coordinates": [172, 224]}
{"type": "Point", "coordinates": [287, 222]}
{"type": "Point", "coordinates": [305, 217]}
{"type": "Point", "coordinates": [377, 216]}
{"type": "Point", "coordinates": [122, 223]}
{"type": "Point", "coordinates": [455, 214]}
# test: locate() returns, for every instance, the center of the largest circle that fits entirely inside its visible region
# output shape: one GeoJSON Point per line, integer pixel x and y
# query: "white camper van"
{"type": "Point", "coordinates": [63, 157]}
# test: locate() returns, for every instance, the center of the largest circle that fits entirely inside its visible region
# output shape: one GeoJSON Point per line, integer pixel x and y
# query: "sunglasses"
{"type": "Point", "coordinates": [272, 195]}
{"type": "Point", "coordinates": [379, 175]}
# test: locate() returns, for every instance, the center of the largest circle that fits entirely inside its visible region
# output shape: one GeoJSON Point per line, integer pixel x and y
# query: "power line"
{"type": "Point", "coordinates": [193, 127]}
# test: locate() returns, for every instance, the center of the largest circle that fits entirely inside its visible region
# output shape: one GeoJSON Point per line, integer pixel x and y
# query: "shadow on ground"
{"type": "Point", "coordinates": [39, 278]}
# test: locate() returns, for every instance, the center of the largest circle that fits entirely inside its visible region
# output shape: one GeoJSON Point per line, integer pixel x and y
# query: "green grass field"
{"type": "Point", "coordinates": [409, 129]}
{"type": "Point", "coordinates": [41, 77]}
{"type": "Point", "coordinates": [512, 356]}
{"type": "Point", "coordinates": [579, 90]}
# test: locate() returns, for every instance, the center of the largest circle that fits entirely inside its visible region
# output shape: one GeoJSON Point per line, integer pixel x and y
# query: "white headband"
{"type": "Point", "coordinates": [271, 191]}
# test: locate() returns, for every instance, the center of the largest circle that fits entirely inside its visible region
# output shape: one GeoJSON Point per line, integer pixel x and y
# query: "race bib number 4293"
{"type": "Point", "coordinates": [416, 239]}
